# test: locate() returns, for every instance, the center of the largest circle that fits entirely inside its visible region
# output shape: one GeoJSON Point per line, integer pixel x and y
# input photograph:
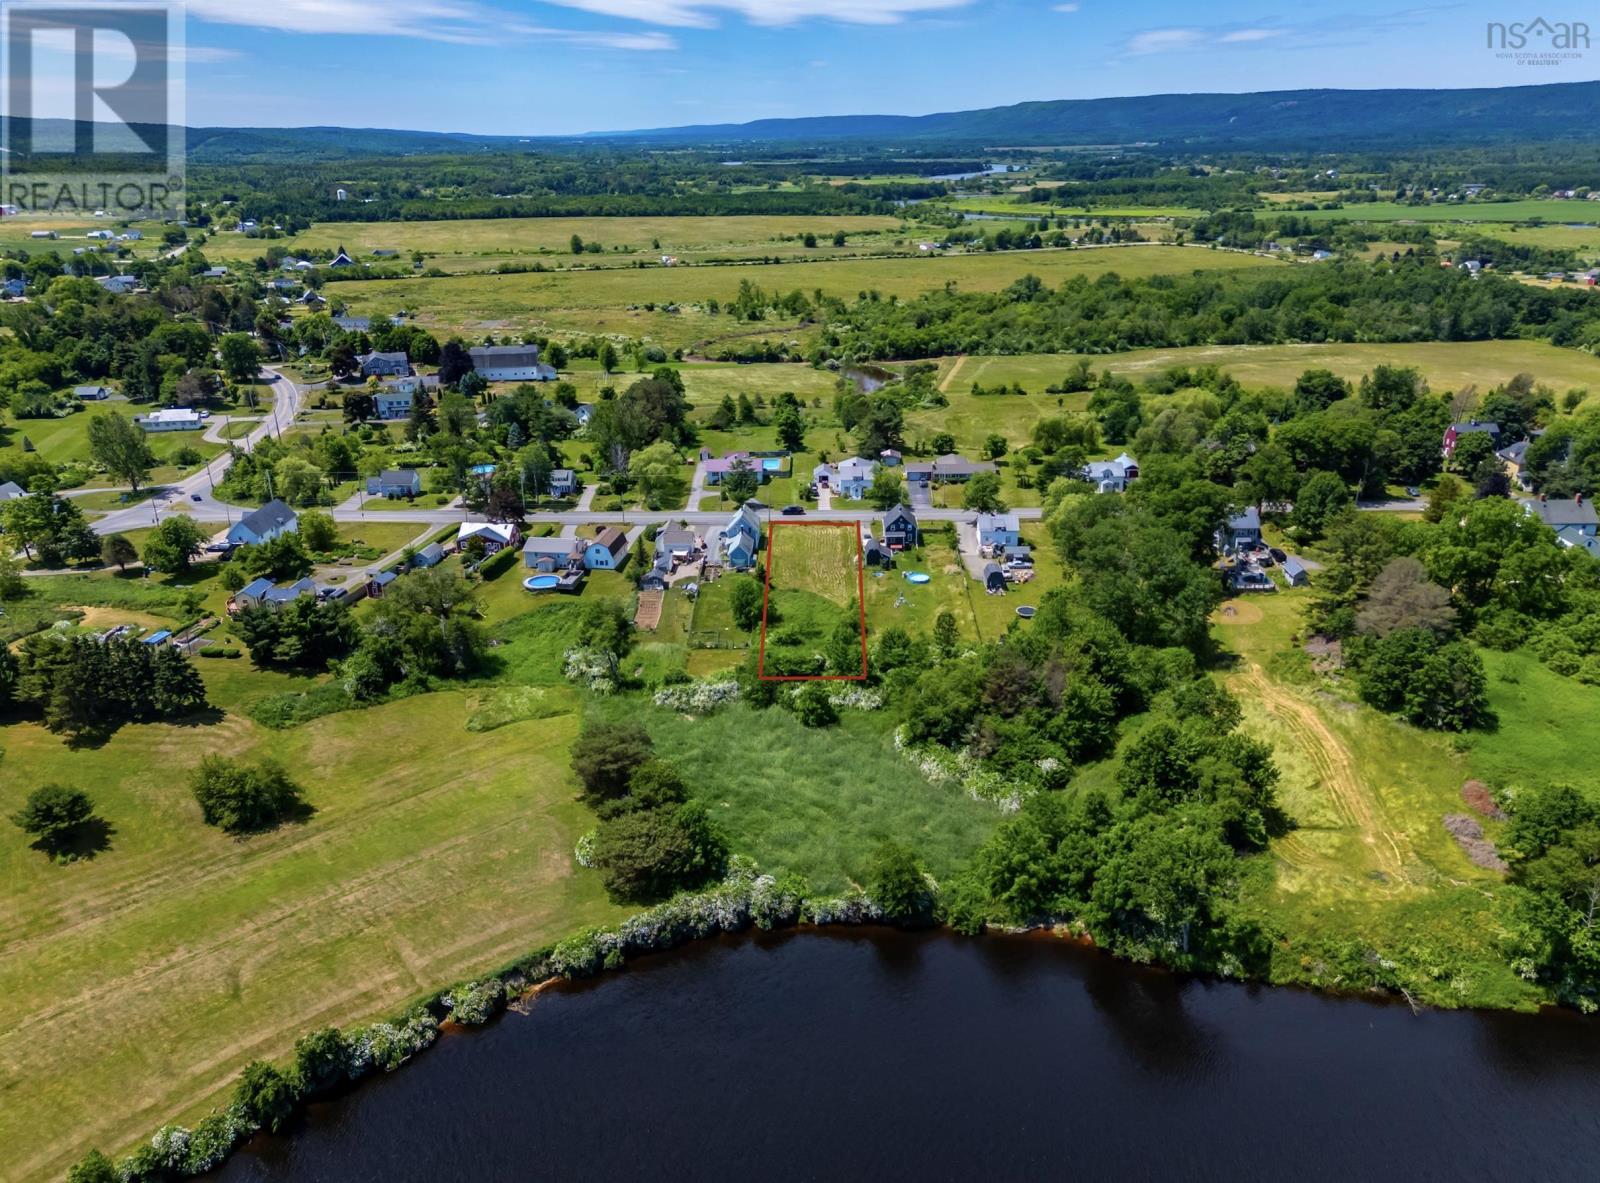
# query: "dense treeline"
{"type": "Point", "coordinates": [86, 688]}
{"type": "Point", "coordinates": [1404, 301]}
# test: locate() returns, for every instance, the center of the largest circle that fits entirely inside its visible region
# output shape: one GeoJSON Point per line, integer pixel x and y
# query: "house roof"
{"type": "Point", "coordinates": [505, 357]}
{"type": "Point", "coordinates": [563, 474]}
{"type": "Point", "coordinates": [398, 476]}
{"type": "Point", "coordinates": [293, 591]}
{"type": "Point", "coordinates": [399, 359]}
{"type": "Point", "coordinates": [1293, 566]}
{"type": "Point", "coordinates": [990, 570]}
{"type": "Point", "coordinates": [384, 578]}
{"type": "Point", "coordinates": [952, 465]}
{"type": "Point", "coordinates": [898, 513]}
{"type": "Point", "coordinates": [560, 547]}
{"type": "Point", "coordinates": [256, 588]}
{"type": "Point", "coordinates": [430, 554]}
{"type": "Point", "coordinates": [92, 391]}
{"type": "Point", "coordinates": [999, 521]}
{"type": "Point", "coordinates": [10, 491]}
{"type": "Point", "coordinates": [1564, 513]}
{"type": "Point", "coordinates": [856, 468]}
{"type": "Point", "coordinates": [1515, 452]}
{"type": "Point", "coordinates": [676, 536]}
{"type": "Point", "coordinates": [744, 521]}
{"type": "Point", "coordinates": [1572, 536]}
{"type": "Point", "coordinates": [1473, 425]}
{"type": "Point", "coordinates": [495, 530]}
{"type": "Point", "coordinates": [725, 464]}
{"type": "Point", "coordinates": [353, 323]}
{"type": "Point", "coordinates": [273, 515]}
{"type": "Point", "coordinates": [611, 539]}
{"type": "Point", "coordinates": [1248, 519]}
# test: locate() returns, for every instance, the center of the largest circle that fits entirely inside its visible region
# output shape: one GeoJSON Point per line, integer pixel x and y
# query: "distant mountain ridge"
{"type": "Point", "coordinates": [1566, 110]}
{"type": "Point", "coordinates": [1291, 119]}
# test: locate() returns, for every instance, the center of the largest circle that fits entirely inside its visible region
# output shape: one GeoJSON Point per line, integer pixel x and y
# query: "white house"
{"type": "Point", "coordinates": [998, 530]}
{"type": "Point", "coordinates": [1111, 476]}
{"type": "Point", "coordinates": [272, 520]}
{"type": "Point", "coordinates": [383, 364]}
{"type": "Point", "coordinates": [171, 419]}
{"type": "Point", "coordinates": [10, 491]}
{"type": "Point", "coordinates": [92, 394]}
{"type": "Point", "coordinates": [510, 363]}
{"type": "Point", "coordinates": [849, 477]}
{"type": "Point", "coordinates": [496, 535]}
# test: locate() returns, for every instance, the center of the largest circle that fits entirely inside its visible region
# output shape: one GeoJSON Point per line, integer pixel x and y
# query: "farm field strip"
{"type": "Point", "coordinates": [818, 558]}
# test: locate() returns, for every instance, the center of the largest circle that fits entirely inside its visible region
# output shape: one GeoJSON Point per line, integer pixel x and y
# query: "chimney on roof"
{"type": "Point", "coordinates": [1544, 499]}
{"type": "Point", "coordinates": [1578, 500]}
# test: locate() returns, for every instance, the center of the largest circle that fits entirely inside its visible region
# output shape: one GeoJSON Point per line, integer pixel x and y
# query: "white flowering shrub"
{"type": "Point", "coordinates": [385, 1046]}
{"type": "Point", "coordinates": [477, 1002]}
{"type": "Point", "coordinates": [855, 698]}
{"type": "Point", "coordinates": [583, 852]}
{"type": "Point", "coordinates": [589, 668]}
{"type": "Point", "coordinates": [940, 765]}
{"type": "Point", "coordinates": [698, 698]}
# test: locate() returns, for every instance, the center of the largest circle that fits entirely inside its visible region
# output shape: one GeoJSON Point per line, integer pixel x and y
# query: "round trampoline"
{"type": "Point", "coordinates": [1026, 612]}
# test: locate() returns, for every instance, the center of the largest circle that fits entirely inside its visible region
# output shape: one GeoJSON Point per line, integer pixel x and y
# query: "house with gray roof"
{"type": "Point", "coordinates": [272, 520]}
{"type": "Point", "coordinates": [741, 539]}
{"type": "Point", "coordinates": [949, 468]}
{"type": "Point", "coordinates": [1242, 531]}
{"type": "Point", "coordinates": [1295, 572]}
{"type": "Point", "coordinates": [900, 528]}
{"type": "Point", "coordinates": [395, 483]}
{"type": "Point", "coordinates": [1562, 514]}
{"type": "Point", "coordinates": [1454, 433]}
{"type": "Point", "coordinates": [92, 394]}
{"type": "Point", "coordinates": [10, 491]}
{"type": "Point", "coordinates": [549, 555]}
{"type": "Point", "coordinates": [510, 363]}
{"type": "Point", "coordinates": [382, 365]}
{"type": "Point", "coordinates": [565, 483]}
{"type": "Point", "coordinates": [677, 541]}
{"type": "Point", "coordinates": [1111, 476]}
{"type": "Point", "coordinates": [998, 530]}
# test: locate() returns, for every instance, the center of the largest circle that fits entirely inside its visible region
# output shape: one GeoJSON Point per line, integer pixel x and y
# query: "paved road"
{"type": "Point", "coordinates": [285, 406]}
{"type": "Point", "coordinates": [1416, 505]}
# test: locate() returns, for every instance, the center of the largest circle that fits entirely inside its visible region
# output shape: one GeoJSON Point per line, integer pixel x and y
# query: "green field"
{"type": "Point", "coordinates": [154, 971]}
{"type": "Point", "coordinates": [1038, 209]}
{"type": "Point", "coordinates": [1472, 211]}
{"type": "Point", "coordinates": [612, 301]}
{"type": "Point", "coordinates": [1446, 365]}
{"type": "Point", "coordinates": [817, 558]}
{"type": "Point", "coordinates": [1369, 860]}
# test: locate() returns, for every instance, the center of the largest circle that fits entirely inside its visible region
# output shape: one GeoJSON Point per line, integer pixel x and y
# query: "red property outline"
{"type": "Point", "coordinates": [861, 599]}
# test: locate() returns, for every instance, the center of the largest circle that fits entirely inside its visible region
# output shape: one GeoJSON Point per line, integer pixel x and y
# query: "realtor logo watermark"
{"type": "Point", "coordinates": [1538, 42]}
{"type": "Point", "coordinates": [93, 108]}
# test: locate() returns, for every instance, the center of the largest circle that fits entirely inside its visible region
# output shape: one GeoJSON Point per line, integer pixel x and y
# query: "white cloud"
{"type": "Point", "coordinates": [702, 14]}
{"type": "Point", "coordinates": [1165, 40]}
{"type": "Point", "coordinates": [1070, 7]}
{"type": "Point", "coordinates": [1244, 36]}
{"type": "Point", "coordinates": [457, 21]}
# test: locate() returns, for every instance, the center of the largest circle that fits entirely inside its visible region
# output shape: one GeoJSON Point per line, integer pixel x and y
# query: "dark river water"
{"type": "Point", "coordinates": [880, 1056]}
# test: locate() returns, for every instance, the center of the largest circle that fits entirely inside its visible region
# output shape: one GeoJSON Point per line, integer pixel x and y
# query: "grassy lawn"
{"type": "Point", "coordinates": [1035, 209]}
{"type": "Point", "coordinates": [66, 440]}
{"type": "Point", "coordinates": [1548, 724]}
{"type": "Point", "coordinates": [818, 802]}
{"type": "Point", "coordinates": [153, 972]}
{"type": "Point", "coordinates": [612, 301]}
{"type": "Point", "coordinates": [1473, 211]}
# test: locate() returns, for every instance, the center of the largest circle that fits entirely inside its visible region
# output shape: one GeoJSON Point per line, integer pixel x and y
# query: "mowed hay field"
{"type": "Point", "coordinates": [1446, 365]}
{"type": "Point", "coordinates": [611, 300]}
{"type": "Point", "coordinates": [818, 557]}
{"type": "Point", "coordinates": [153, 972]}
{"type": "Point", "coordinates": [508, 237]}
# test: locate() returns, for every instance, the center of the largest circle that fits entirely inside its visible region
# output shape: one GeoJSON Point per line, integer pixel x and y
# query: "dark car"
{"type": "Point", "coordinates": [195, 497]}
{"type": "Point", "coordinates": [1278, 554]}
{"type": "Point", "coordinates": [793, 511]}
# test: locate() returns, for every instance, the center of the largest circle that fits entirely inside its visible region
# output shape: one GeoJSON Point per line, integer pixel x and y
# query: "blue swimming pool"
{"type": "Point", "coordinates": [542, 582]}
{"type": "Point", "coordinates": [772, 464]}
{"type": "Point", "coordinates": [918, 577]}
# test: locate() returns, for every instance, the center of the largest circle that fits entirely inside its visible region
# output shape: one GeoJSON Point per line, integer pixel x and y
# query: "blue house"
{"type": "Point", "coordinates": [1577, 515]}
{"type": "Point", "coordinates": [395, 483]}
{"type": "Point", "coordinates": [741, 539]}
{"type": "Point", "coordinates": [607, 552]}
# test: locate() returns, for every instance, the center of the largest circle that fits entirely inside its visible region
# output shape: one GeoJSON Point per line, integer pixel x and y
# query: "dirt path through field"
{"type": "Point", "coordinates": [1351, 796]}
{"type": "Point", "coordinates": [944, 383]}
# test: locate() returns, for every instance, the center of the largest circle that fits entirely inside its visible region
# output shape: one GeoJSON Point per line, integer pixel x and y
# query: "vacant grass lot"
{"type": "Point", "coordinates": [1475, 211]}
{"type": "Point", "coordinates": [612, 300]}
{"type": "Point", "coordinates": [818, 558]}
{"type": "Point", "coordinates": [1368, 861]}
{"type": "Point", "coordinates": [1035, 209]}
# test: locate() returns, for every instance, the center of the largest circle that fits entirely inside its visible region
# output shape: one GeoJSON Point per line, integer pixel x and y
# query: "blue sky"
{"type": "Point", "coordinates": [520, 67]}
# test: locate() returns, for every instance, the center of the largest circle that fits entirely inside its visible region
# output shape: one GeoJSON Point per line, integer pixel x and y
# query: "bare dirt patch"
{"type": "Point", "coordinates": [1481, 801]}
{"type": "Point", "coordinates": [1239, 612]}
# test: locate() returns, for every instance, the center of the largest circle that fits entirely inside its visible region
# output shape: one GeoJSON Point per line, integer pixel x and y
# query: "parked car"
{"type": "Point", "coordinates": [1278, 554]}
{"type": "Point", "coordinates": [793, 511]}
{"type": "Point", "coordinates": [1413, 491]}
{"type": "Point", "coordinates": [195, 497]}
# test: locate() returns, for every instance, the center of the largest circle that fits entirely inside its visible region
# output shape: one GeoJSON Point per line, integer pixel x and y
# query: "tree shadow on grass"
{"type": "Point", "coordinates": [83, 841]}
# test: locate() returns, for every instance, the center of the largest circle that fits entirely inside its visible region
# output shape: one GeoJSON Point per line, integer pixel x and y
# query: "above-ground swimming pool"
{"type": "Point", "coordinates": [542, 583]}
{"type": "Point", "coordinates": [918, 577]}
{"type": "Point", "coordinates": [772, 464]}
